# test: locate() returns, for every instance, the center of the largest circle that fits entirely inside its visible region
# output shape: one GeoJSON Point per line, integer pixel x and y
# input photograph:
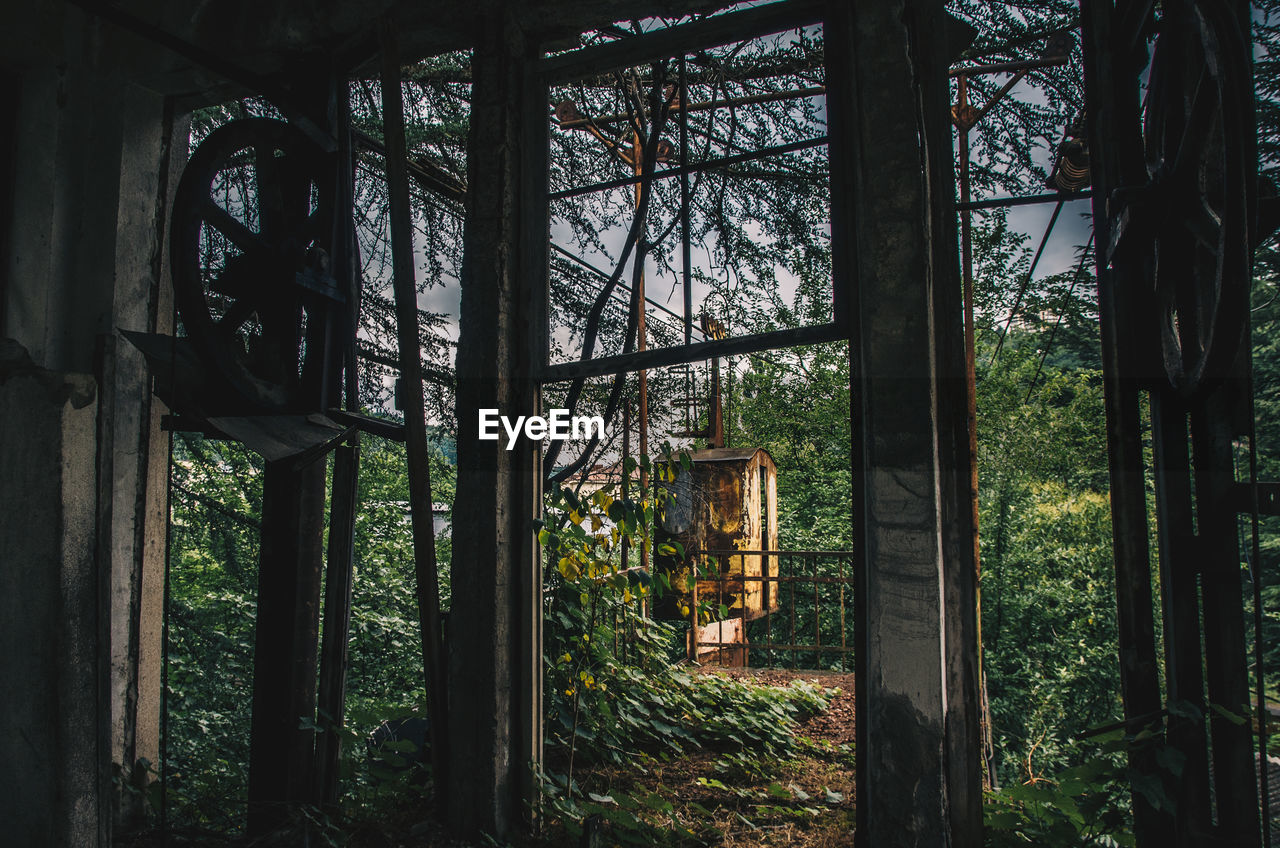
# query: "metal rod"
{"type": "Point", "coordinates": [971, 398]}
{"type": "Point", "coordinates": [1027, 200]}
{"type": "Point", "coordinates": [995, 98]}
{"type": "Point", "coordinates": [693, 615]}
{"type": "Point", "coordinates": [791, 633]}
{"type": "Point", "coordinates": [755, 578]}
{"type": "Point", "coordinates": [603, 275]}
{"type": "Point", "coordinates": [685, 244]}
{"type": "Point", "coordinates": [817, 609]}
{"type": "Point", "coordinates": [736, 551]}
{"type": "Point", "coordinates": [642, 344]}
{"type": "Point", "coordinates": [708, 165]}
{"type": "Point", "coordinates": [1026, 283]}
{"type": "Point", "coordinates": [418, 451]}
{"type": "Point", "coordinates": [696, 352]}
{"type": "Point", "coordinates": [1004, 67]}
{"type": "Point", "coordinates": [701, 106]}
{"type": "Point", "coordinates": [437, 181]}
{"type": "Point", "coordinates": [768, 630]}
{"type": "Point", "coordinates": [720, 602]}
{"type": "Point", "coordinates": [1048, 345]}
{"type": "Point", "coordinates": [843, 644]}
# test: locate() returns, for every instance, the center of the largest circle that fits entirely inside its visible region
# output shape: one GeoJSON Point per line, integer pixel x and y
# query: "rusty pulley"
{"type": "Point", "coordinates": [1193, 215]}
{"type": "Point", "coordinates": [252, 225]}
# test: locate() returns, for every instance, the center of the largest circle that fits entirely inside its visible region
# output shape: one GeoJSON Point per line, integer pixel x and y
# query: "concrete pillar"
{"type": "Point", "coordinates": [84, 464]}
{"type": "Point", "coordinates": [919, 782]}
{"type": "Point", "coordinates": [49, 617]}
{"type": "Point", "coordinates": [494, 630]}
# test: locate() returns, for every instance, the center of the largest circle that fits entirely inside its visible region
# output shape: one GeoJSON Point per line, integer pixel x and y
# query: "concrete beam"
{"type": "Point", "coordinates": [919, 782]}
{"type": "Point", "coordinates": [83, 257]}
{"type": "Point", "coordinates": [49, 617]}
{"type": "Point", "coordinates": [494, 634]}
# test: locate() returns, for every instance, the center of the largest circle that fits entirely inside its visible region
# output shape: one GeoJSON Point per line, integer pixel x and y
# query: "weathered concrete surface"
{"type": "Point", "coordinates": [494, 631]}
{"type": "Point", "coordinates": [49, 616]}
{"type": "Point", "coordinates": [918, 778]}
{"type": "Point", "coordinates": [82, 258]}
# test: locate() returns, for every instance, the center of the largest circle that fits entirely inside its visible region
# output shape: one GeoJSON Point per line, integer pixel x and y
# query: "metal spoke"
{"type": "Point", "coordinates": [231, 227]}
{"type": "Point", "coordinates": [267, 172]}
{"type": "Point", "coordinates": [235, 316]}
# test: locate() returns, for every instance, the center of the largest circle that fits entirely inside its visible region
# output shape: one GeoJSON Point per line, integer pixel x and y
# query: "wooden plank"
{"type": "Point", "coordinates": [344, 490]}
{"type": "Point", "coordinates": [284, 658]}
{"type": "Point", "coordinates": [372, 425]}
{"type": "Point", "coordinates": [331, 699]}
{"type": "Point", "coordinates": [419, 454]}
{"type": "Point", "coordinates": [533, 296]}
{"type": "Point", "coordinates": [1235, 781]}
{"type": "Point", "coordinates": [1179, 580]}
{"type": "Point", "coordinates": [279, 437]}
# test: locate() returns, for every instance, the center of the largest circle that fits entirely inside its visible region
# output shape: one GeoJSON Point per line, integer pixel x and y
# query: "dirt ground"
{"type": "Point", "coordinates": [812, 799]}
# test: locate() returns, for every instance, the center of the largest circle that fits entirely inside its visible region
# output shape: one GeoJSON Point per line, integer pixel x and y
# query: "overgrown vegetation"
{"type": "Point", "coordinates": [624, 727]}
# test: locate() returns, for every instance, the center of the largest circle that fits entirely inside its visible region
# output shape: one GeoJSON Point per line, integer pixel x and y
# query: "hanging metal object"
{"type": "Point", "coordinates": [1193, 150]}
{"type": "Point", "coordinates": [1071, 165]}
{"type": "Point", "coordinates": [1193, 214]}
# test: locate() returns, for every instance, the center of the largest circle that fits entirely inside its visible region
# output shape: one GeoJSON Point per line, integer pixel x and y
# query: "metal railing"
{"type": "Point", "coordinates": [802, 614]}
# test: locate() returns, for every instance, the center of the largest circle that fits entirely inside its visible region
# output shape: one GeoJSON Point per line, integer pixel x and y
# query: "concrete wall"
{"type": "Point", "coordinates": [49, 740]}
{"type": "Point", "coordinates": [83, 462]}
{"type": "Point", "coordinates": [919, 782]}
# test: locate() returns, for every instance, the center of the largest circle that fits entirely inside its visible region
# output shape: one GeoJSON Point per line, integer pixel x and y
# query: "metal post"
{"type": "Point", "coordinates": [284, 659]}
{"type": "Point", "coordinates": [1116, 157]}
{"type": "Point", "coordinates": [963, 121]}
{"type": "Point", "coordinates": [641, 346]}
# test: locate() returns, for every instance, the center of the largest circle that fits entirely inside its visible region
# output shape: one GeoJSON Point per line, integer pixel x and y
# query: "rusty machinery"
{"type": "Point", "coordinates": [724, 501]}
{"type": "Point", "coordinates": [1175, 210]}
{"type": "Point", "coordinates": [724, 515]}
{"type": "Point", "coordinates": [265, 269]}
{"type": "Point", "coordinates": [261, 312]}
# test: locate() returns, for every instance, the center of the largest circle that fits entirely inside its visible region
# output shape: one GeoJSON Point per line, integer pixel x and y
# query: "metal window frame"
{"type": "Point", "coordinates": [672, 43]}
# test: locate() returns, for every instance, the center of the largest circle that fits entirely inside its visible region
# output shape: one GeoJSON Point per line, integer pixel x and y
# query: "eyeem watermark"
{"type": "Point", "coordinates": [560, 425]}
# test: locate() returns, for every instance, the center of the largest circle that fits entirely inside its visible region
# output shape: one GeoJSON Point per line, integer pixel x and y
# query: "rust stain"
{"type": "Point", "coordinates": [726, 502]}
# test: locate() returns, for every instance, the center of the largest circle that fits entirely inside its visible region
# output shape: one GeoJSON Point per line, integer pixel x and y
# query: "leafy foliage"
{"type": "Point", "coordinates": [613, 694]}
{"type": "Point", "coordinates": [216, 505]}
{"type": "Point", "coordinates": [1084, 805]}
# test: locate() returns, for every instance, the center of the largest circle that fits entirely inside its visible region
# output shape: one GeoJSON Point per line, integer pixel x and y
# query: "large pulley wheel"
{"type": "Point", "coordinates": [1200, 191]}
{"type": "Point", "coordinates": [253, 216]}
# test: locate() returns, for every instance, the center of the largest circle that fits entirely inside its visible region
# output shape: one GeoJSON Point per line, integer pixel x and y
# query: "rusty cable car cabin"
{"type": "Point", "coordinates": [725, 501]}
